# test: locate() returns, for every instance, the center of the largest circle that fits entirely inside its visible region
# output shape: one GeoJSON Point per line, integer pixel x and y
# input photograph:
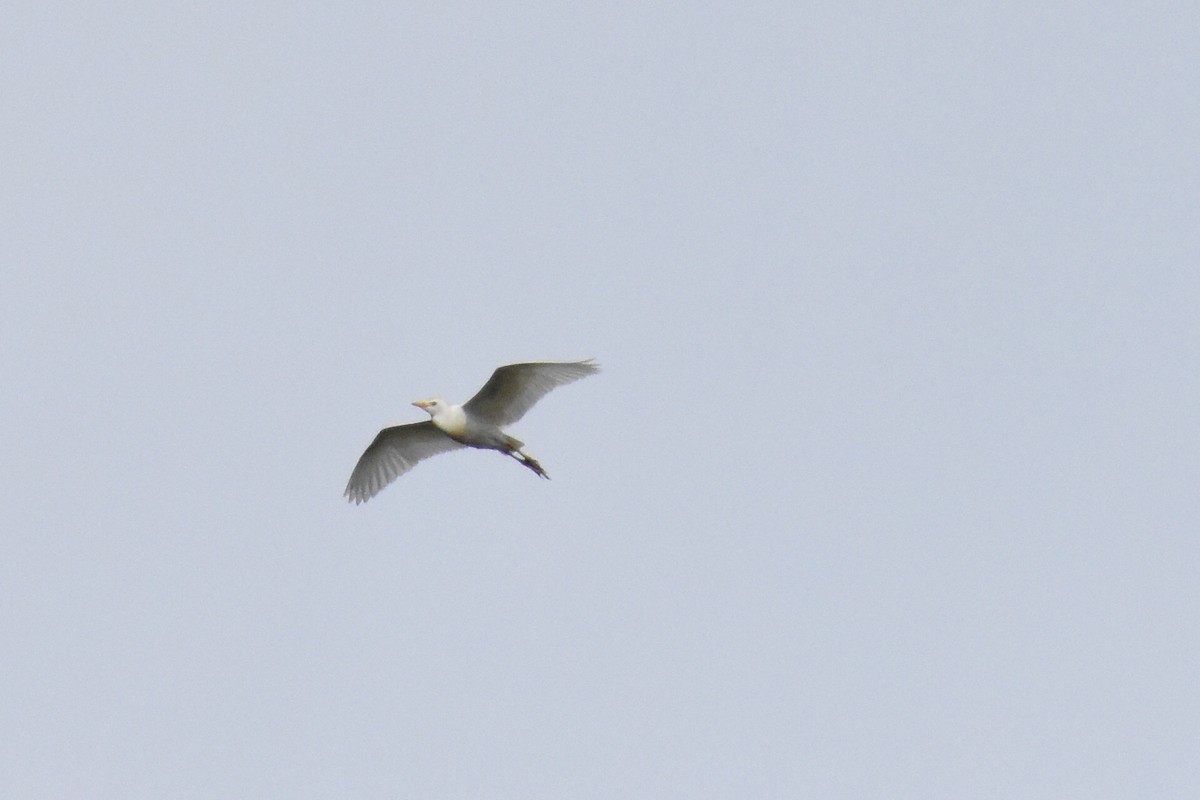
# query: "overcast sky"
{"type": "Point", "coordinates": [888, 487]}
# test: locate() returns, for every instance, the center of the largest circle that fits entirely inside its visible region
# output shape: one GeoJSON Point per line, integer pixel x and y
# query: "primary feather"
{"type": "Point", "coordinates": [394, 452]}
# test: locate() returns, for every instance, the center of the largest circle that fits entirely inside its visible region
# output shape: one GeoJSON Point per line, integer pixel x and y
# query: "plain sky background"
{"type": "Point", "coordinates": [888, 487]}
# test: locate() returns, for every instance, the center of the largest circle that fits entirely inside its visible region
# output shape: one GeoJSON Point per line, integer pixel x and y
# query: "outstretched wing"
{"type": "Point", "coordinates": [394, 452]}
{"type": "Point", "coordinates": [513, 390]}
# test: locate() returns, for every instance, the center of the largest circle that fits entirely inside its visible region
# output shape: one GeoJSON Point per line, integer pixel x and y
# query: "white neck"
{"type": "Point", "coordinates": [451, 419]}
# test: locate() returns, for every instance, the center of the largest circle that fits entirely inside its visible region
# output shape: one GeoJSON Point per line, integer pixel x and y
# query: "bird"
{"type": "Point", "coordinates": [505, 398]}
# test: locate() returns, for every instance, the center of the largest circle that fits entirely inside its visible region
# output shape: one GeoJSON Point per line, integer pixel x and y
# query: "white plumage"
{"type": "Point", "coordinates": [504, 399]}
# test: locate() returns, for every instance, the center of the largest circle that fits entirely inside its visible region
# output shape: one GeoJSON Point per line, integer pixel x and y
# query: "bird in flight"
{"type": "Point", "coordinates": [478, 423]}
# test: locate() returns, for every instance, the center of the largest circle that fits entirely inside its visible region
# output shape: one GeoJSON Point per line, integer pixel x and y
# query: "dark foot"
{"type": "Point", "coordinates": [533, 465]}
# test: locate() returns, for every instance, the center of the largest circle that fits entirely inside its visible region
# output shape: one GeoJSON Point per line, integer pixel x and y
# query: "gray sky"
{"type": "Point", "coordinates": [888, 488]}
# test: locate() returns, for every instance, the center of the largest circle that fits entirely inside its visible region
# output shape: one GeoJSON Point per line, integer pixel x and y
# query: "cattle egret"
{"type": "Point", "coordinates": [504, 399]}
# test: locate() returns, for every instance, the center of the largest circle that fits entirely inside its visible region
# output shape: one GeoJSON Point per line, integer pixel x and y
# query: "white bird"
{"type": "Point", "coordinates": [504, 399]}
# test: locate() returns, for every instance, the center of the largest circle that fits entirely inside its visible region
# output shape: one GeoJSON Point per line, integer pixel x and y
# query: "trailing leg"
{"type": "Point", "coordinates": [529, 461]}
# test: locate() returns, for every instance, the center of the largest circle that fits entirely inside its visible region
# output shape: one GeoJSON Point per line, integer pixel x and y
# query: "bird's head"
{"type": "Point", "coordinates": [434, 407]}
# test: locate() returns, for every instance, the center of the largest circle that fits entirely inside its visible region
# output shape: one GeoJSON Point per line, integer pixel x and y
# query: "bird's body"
{"type": "Point", "coordinates": [453, 421]}
{"type": "Point", "coordinates": [478, 423]}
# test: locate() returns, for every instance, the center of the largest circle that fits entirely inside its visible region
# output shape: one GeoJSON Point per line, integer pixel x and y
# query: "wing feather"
{"type": "Point", "coordinates": [516, 388]}
{"type": "Point", "coordinates": [394, 452]}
